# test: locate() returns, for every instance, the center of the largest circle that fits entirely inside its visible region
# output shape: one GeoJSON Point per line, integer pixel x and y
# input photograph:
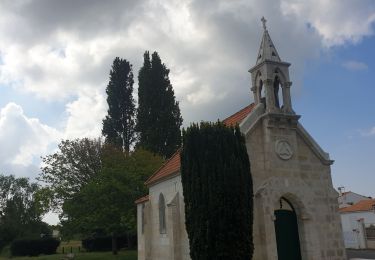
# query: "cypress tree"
{"type": "Point", "coordinates": [217, 186]}
{"type": "Point", "coordinates": [158, 114]}
{"type": "Point", "coordinates": [119, 124]}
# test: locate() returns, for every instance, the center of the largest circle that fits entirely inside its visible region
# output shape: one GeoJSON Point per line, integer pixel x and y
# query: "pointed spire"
{"type": "Point", "coordinates": [267, 50]}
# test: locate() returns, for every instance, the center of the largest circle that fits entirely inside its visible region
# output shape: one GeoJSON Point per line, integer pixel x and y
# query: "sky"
{"type": "Point", "coordinates": [55, 58]}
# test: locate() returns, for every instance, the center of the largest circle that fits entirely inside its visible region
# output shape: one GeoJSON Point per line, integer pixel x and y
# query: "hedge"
{"type": "Point", "coordinates": [104, 243]}
{"type": "Point", "coordinates": [34, 247]}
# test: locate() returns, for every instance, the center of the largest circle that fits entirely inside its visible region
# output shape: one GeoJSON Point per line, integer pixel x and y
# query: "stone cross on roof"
{"type": "Point", "coordinates": [264, 22]}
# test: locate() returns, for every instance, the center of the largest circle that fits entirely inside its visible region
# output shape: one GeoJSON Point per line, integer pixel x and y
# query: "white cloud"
{"type": "Point", "coordinates": [85, 115]}
{"type": "Point", "coordinates": [61, 51]}
{"type": "Point", "coordinates": [23, 139]}
{"type": "Point", "coordinates": [355, 65]}
{"type": "Point", "coordinates": [370, 132]}
{"type": "Point", "coordinates": [338, 22]}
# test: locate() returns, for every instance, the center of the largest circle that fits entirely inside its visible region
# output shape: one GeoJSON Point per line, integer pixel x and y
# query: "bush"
{"type": "Point", "coordinates": [104, 243]}
{"type": "Point", "coordinates": [34, 247]}
{"type": "Point", "coordinates": [218, 195]}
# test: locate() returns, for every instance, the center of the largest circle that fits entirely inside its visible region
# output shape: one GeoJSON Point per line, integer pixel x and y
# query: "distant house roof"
{"type": "Point", "coordinates": [141, 200]}
{"type": "Point", "coordinates": [363, 205]}
{"type": "Point", "coordinates": [346, 192]}
{"type": "Point", "coordinates": [172, 165]}
{"type": "Point", "coordinates": [343, 194]}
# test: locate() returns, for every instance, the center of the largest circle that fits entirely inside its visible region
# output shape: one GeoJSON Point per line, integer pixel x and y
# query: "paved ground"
{"type": "Point", "coordinates": [360, 254]}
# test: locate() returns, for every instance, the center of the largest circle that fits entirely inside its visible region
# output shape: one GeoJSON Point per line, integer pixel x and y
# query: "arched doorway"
{"type": "Point", "coordinates": [286, 228]}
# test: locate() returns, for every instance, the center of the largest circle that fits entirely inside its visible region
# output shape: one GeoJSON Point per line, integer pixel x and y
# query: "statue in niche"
{"type": "Point", "coordinates": [276, 86]}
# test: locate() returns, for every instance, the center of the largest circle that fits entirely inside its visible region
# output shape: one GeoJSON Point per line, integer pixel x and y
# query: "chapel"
{"type": "Point", "coordinates": [295, 205]}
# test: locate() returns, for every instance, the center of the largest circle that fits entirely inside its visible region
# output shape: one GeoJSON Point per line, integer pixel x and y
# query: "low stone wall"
{"type": "Point", "coordinates": [371, 243]}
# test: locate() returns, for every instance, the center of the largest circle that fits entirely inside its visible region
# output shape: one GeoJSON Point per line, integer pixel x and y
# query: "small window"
{"type": "Point", "coordinates": [273, 54]}
{"type": "Point", "coordinates": [162, 226]}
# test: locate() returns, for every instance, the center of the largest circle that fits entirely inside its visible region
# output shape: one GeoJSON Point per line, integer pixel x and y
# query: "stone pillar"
{"type": "Point", "coordinates": [147, 231]}
{"type": "Point", "coordinates": [259, 232]}
{"type": "Point", "coordinates": [287, 101]}
{"type": "Point", "coordinates": [175, 236]}
{"type": "Point", "coordinates": [256, 94]}
{"type": "Point", "coordinates": [270, 97]}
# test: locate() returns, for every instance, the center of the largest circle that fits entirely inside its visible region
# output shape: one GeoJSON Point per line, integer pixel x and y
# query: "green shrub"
{"type": "Point", "coordinates": [34, 247]}
{"type": "Point", "coordinates": [104, 243]}
{"type": "Point", "coordinates": [217, 186]}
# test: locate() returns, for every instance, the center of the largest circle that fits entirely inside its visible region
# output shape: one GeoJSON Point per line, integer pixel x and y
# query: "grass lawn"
{"type": "Point", "coordinates": [123, 255]}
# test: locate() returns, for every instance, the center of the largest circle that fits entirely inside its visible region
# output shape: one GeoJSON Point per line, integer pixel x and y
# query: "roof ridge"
{"type": "Point", "coordinates": [142, 199]}
{"type": "Point", "coordinates": [163, 165]}
{"type": "Point", "coordinates": [238, 112]}
{"type": "Point", "coordinates": [359, 206]}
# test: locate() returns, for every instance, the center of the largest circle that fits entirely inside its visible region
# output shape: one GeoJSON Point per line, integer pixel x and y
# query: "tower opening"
{"type": "Point", "coordinates": [262, 93]}
{"type": "Point", "coordinates": [277, 93]}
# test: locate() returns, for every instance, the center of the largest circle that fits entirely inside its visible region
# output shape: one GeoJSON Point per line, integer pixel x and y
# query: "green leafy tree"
{"type": "Point", "coordinates": [20, 210]}
{"type": "Point", "coordinates": [106, 203]}
{"type": "Point", "coordinates": [158, 114]}
{"type": "Point", "coordinates": [66, 171]}
{"type": "Point", "coordinates": [118, 125]}
{"type": "Point", "coordinates": [218, 195]}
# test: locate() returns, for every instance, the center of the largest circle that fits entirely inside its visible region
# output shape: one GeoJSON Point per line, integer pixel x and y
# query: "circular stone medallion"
{"type": "Point", "coordinates": [283, 149]}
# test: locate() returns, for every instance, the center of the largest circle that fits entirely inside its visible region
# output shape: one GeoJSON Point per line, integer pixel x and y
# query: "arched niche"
{"type": "Point", "coordinates": [162, 216]}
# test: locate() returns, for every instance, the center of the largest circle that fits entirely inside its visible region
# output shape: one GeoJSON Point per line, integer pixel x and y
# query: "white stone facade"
{"type": "Point", "coordinates": [174, 243]}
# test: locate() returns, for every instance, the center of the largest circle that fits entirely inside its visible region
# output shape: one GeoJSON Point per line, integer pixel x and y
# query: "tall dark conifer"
{"type": "Point", "coordinates": [158, 115]}
{"type": "Point", "coordinates": [218, 195]}
{"type": "Point", "coordinates": [119, 124]}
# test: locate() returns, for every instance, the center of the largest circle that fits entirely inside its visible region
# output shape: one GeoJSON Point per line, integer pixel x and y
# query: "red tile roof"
{"type": "Point", "coordinates": [239, 116]}
{"type": "Point", "coordinates": [363, 205]}
{"type": "Point", "coordinates": [141, 200]}
{"type": "Point", "coordinates": [172, 165]}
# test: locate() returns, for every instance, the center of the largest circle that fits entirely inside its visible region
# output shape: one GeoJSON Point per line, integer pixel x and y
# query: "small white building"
{"type": "Point", "coordinates": [358, 224]}
{"type": "Point", "coordinates": [349, 198]}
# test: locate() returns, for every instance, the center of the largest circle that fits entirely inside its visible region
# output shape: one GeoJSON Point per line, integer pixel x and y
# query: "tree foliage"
{"type": "Point", "coordinates": [218, 195]}
{"type": "Point", "coordinates": [20, 209]}
{"type": "Point", "coordinates": [118, 125]}
{"type": "Point", "coordinates": [106, 203]}
{"type": "Point", "coordinates": [158, 114]}
{"type": "Point", "coordinates": [66, 171]}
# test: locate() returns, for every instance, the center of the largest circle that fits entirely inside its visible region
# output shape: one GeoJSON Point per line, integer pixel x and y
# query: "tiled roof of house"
{"type": "Point", "coordinates": [141, 200]}
{"type": "Point", "coordinates": [172, 165]}
{"type": "Point", "coordinates": [363, 205]}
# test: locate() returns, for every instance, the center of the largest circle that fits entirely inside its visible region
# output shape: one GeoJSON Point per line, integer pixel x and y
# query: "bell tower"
{"type": "Point", "coordinates": [270, 78]}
